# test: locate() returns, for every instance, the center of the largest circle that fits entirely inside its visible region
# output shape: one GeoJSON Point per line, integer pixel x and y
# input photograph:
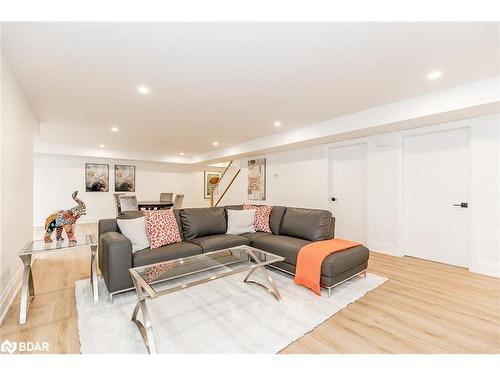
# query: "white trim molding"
{"type": "Point", "coordinates": [469, 100]}
{"type": "Point", "coordinates": [10, 292]}
{"type": "Point", "coordinates": [486, 268]}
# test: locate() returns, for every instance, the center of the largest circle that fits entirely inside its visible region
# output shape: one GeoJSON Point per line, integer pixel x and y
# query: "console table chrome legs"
{"type": "Point", "coordinates": [93, 273]}
{"type": "Point", "coordinates": [27, 289]}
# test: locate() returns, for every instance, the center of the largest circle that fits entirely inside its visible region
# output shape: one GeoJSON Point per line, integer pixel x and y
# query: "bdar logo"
{"type": "Point", "coordinates": [8, 347]}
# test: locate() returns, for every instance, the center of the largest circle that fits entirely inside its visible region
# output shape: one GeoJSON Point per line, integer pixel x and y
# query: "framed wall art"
{"type": "Point", "coordinates": [96, 177]}
{"type": "Point", "coordinates": [257, 179]}
{"type": "Point", "coordinates": [207, 185]}
{"type": "Point", "coordinates": [125, 178]}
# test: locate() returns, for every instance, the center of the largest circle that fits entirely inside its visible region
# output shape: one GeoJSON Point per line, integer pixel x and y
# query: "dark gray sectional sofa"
{"type": "Point", "coordinates": [204, 230]}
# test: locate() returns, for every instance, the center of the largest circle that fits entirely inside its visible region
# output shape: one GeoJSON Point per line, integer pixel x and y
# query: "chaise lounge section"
{"type": "Point", "coordinates": [204, 230]}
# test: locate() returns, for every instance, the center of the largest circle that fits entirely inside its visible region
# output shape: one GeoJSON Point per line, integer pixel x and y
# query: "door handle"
{"type": "Point", "coordinates": [462, 204]}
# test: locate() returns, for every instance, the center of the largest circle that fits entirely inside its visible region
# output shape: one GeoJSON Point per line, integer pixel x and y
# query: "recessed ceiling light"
{"type": "Point", "coordinates": [181, 154]}
{"type": "Point", "coordinates": [277, 124]}
{"type": "Point", "coordinates": [115, 129]}
{"type": "Point", "coordinates": [102, 146]}
{"type": "Point", "coordinates": [215, 143]}
{"type": "Point", "coordinates": [143, 90]}
{"type": "Point", "coordinates": [434, 75]}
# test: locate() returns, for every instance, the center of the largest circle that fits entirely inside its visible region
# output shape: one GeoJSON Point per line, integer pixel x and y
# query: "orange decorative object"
{"type": "Point", "coordinates": [310, 259]}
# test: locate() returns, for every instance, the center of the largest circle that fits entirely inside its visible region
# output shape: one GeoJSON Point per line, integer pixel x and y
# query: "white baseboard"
{"type": "Point", "coordinates": [10, 293]}
{"type": "Point", "coordinates": [383, 248]}
{"type": "Point", "coordinates": [486, 268]}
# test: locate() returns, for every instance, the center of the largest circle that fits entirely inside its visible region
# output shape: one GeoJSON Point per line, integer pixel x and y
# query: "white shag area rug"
{"type": "Point", "coordinates": [222, 316]}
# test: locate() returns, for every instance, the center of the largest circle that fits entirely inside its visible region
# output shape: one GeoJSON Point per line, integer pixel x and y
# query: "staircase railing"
{"type": "Point", "coordinates": [228, 186]}
{"type": "Point", "coordinates": [224, 177]}
{"type": "Point", "coordinates": [225, 171]}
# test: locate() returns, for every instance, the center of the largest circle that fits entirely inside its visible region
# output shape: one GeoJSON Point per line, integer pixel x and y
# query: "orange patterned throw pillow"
{"type": "Point", "coordinates": [262, 214]}
{"type": "Point", "coordinates": [162, 228]}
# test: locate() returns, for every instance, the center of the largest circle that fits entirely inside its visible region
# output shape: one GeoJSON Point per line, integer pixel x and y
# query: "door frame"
{"type": "Point", "coordinates": [342, 144]}
{"type": "Point", "coordinates": [402, 183]}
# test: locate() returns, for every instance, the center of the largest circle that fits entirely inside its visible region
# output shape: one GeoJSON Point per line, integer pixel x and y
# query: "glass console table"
{"type": "Point", "coordinates": [38, 247]}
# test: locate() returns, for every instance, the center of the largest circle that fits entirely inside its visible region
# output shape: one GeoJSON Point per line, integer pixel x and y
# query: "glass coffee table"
{"type": "Point", "coordinates": [163, 278]}
{"type": "Point", "coordinates": [39, 247]}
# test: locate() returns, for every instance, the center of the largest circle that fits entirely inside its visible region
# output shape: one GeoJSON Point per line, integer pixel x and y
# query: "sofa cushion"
{"type": "Point", "coordinates": [162, 228]}
{"type": "Point", "coordinates": [135, 231]}
{"type": "Point", "coordinates": [308, 224]}
{"type": "Point", "coordinates": [136, 214]}
{"type": "Point", "coordinates": [219, 242]}
{"type": "Point", "coordinates": [199, 222]}
{"type": "Point", "coordinates": [343, 261]}
{"type": "Point", "coordinates": [253, 236]}
{"type": "Point", "coordinates": [240, 221]}
{"type": "Point", "coordinates": [161, 254]}
{"type": "Point", "coordinates": [262, 213]}
{"type": "Point", "coordinates": [275, 218]}
{"type": "Point", "coordinates": [285, 246]}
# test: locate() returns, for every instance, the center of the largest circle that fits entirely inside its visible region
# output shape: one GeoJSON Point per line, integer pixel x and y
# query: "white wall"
{"type": "Point", "coordinates": [300, 178]}
{"type": "Point", "coordinates": [56, 177]}
{"type": "Point", "coordinates": [294, 178]}
{"type": "Point", "coordinates": [485, 191]}
{"type": "Point", "coordinates": [18, 124]}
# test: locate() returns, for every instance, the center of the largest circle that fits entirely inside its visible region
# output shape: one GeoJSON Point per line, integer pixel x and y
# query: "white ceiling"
{"type": "Point", "coordinates": [229, 81]}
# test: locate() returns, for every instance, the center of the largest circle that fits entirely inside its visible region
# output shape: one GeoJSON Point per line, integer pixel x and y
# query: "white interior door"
{"type": "Point", "coordinates": [348, 191]}
{"type": "Point", "coordinates": [435, 180]}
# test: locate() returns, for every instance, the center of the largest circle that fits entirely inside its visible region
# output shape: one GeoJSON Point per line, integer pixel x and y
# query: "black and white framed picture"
{"type": "Point", "coordinates": [125, 178]}
{"type": "Point", "coordinates": [96, 177]}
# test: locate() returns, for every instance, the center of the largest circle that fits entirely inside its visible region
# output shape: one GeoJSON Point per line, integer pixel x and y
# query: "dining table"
{"type": "Point", "coordinates": [154, 205]}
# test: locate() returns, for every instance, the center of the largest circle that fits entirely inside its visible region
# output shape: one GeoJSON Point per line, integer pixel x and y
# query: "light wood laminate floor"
{"type": "Point", "coordinates": [425, 307]}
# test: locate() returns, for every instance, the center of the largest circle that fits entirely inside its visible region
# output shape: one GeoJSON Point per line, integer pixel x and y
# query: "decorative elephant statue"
{"type": "Point", "coordinates": [64, 219]}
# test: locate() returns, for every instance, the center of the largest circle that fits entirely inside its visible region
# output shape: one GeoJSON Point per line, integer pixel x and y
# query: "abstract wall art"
{"type": "Point", "coordinates": [125, 178]}
{"type": "Point", "coordinates": [96, 177]}
{"type": "Point", "coordinates": [257, 179]}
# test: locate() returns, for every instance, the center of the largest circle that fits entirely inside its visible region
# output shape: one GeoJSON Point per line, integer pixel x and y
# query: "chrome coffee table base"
{"type": "Point", "coordinates": [273, 290]}
{"type": "Point", "coordinates": [243, 259]}
{"type": "Point", "coordinates": [145, 329]}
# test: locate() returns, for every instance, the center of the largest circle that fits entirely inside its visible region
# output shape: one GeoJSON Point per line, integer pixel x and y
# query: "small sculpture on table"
{"type": "Point", "coordinates": [64, 219]}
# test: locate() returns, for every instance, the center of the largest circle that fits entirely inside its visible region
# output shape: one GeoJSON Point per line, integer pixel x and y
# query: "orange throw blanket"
{"type": "Point", "coordinates": [310, 258]}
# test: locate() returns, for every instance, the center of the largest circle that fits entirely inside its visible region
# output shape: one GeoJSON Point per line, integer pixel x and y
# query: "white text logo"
{"type": "Point", "coordinates": [23, 346]}
{"type": "Point", "coordinates": [8, 347]}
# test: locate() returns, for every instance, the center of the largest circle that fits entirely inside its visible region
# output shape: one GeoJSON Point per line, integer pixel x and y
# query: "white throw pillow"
{"type": "Point", "coordinates": [135, 231]}
{"type": "Point", "coordinates": [240, 221]}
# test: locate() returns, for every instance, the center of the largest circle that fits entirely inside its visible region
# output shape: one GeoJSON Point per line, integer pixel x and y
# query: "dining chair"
{"type": "Point", "coordinates": [116, 196]}
{"type": "Point", "coordinates": [166, 197]}
{"type": "Point", "coordinates": [128, 203]}
{"type": "Point", "coordinates": [178, 201]}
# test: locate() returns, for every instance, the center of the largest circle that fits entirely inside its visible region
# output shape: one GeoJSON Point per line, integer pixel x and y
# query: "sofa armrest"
{"type": "Point", "coordinates": [107, 225]}
{"type": "Point", "coordinates": [115, 259]}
